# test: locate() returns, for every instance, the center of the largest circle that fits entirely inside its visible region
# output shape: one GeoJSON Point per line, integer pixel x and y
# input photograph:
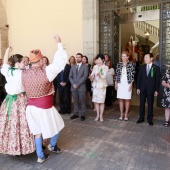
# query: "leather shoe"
{"type": "Point", "coordinates": [140, 121]}
{"type": "Point", "coordinates": [150, 123]}
{"type": "Point", "coordinates": [82, 118]}
{"type": "Point", "coordinates": [74, 117]}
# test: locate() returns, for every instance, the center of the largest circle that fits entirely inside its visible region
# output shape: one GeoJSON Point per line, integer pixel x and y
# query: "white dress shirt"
{"type": "Point", "coordinates": [58, 64]}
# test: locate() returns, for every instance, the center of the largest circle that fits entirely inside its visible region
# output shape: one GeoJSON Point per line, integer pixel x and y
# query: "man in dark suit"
{"type": "Point", "coordinates": [63, 86]}
{"type": "Point", "coordinates": [136, 66]}
{"type": "Point", "coordinates": [77, 77]}
{"type": "Point", "coordinates": [147, 87]}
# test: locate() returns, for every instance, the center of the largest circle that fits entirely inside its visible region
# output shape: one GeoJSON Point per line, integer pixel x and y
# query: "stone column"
{"type": "Point", "coordinates": [3, 28]}
{"type": "Point", "coordinates": [3, 41]}
{"type": "Point", "coordinates": [90, 28]}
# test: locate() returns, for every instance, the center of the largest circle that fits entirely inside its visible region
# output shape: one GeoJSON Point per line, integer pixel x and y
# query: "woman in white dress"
{"type": "Point", "coordinates": [99, 84]}
{"type": "Point", "coordinates": [124, 78]}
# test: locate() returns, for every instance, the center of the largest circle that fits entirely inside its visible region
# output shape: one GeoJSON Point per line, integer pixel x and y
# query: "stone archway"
{"type": "Point", "coordinates": [3, 30]}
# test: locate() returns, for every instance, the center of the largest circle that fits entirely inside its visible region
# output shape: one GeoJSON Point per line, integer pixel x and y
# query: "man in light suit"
{"type": "Point", "coordinates": [78, 75]}
{"type": "Point", "coordinates": [147, 87]}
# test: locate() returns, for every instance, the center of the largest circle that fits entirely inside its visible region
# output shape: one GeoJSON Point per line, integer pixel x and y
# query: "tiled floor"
{"type": "Point", "coordinates": [111, 145]}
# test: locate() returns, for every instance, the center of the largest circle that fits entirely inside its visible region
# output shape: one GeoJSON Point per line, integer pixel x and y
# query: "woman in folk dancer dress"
{"type": "Point", "coordinates": [15, 137]}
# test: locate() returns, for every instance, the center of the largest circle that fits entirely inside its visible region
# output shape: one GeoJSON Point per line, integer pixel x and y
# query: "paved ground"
{"type": "Point", "coordinates": [111, 145]}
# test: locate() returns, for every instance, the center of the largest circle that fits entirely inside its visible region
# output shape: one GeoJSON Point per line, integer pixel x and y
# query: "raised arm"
{"type": "Point", "coordinates": [5, 60]}
{"type": "Point", "coordinates": [59, 61]}
{"type": "Point", "coordinates": [5, 66]}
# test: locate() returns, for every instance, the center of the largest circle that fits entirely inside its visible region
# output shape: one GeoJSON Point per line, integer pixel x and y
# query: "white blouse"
{"type": "Point", "coordinates": [14, 83]}
{"type": "Point", "coordinates": [109, 77]}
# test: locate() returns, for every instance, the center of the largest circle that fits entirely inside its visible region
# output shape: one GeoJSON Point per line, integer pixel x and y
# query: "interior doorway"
{"type": "Point", "coordinates": [139, 33]}
{"type": "Point", "coordinates": [139, 36]}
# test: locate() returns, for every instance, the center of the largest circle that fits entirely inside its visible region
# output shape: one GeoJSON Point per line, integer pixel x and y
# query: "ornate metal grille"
{"type": "Point", "coordinates": [116, 21]}
{"type": "Point", "coordinates": [165, 36]}
{"type": "Point", "coordinates": [118, 4]}
{"type": "Point", "coordinates": [106, 33]}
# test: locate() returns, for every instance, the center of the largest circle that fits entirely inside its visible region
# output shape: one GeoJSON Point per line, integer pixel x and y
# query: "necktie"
{"type": "Point", "coordinates": [148, 69]}
{"type": "Point", "coordinates": [77, 69]}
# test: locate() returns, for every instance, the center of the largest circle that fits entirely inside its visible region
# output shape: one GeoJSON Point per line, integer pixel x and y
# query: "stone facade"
{"type": "Point", "coordinates": [3, 30]}
{"type": "Point", "coordinates": [90, 28]}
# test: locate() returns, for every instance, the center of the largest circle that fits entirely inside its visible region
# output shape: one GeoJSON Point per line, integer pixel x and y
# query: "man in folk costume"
{"type": "Point", "coordinates": [43, 119]}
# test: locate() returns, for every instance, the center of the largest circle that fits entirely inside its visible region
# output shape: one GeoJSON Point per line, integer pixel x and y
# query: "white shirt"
{"type": "Point", "coordinates": [109, 77]}
{"type": "Point", "coordinates": [58, 64]}
{"type": "Point", "coordinates": [150, 65]}
{"type": "Point", "coordinates": [79, 65]}
{"type": "Point", "coordinates": [27, 67]}
{"type": "Point", "coordinates": [14, 83]}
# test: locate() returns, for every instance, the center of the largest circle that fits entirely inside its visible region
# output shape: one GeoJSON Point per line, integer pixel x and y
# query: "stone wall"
{"type": "Point", "coordinates": [3, 30]}
{"type": "Point", "coordinates": [90, 28]}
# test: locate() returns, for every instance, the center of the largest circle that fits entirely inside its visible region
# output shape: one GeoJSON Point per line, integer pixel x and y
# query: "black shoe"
{"type": "Point", "coordinates": [43, 147]}
{"type": "Point", "coordinates": [42, 160]}
{"type": "Point", "coordinates": [150, 123]}
{"type": "Point", "coordinates": [166, 124]}
{"type": "Point", "coordinates": [55, 150]}
{"type": "Point", "coordinates": [62, 113]}
{"type": "Point", "coordinates": [82, 118]}
{"type": "Point", "coordinates": [68, 112]}
{"type": "Point", "coordinates": [74, 117]}
{"type": "Point", "coordinates": [140, 121]}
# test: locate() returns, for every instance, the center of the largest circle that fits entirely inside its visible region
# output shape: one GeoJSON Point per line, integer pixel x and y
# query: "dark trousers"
{"type": "Point", "coordinates": [55, 95]}
{"type": "Point", "coordinates": [150, 100]}
{"type": "Point", "coordinates": [108, 100]}
{"type": "Point", "coordinates": [64, 98]}
{"type": "Point", "coordinates": [79, 96]}
{"type": "Point", "coordinates": [2, 94]}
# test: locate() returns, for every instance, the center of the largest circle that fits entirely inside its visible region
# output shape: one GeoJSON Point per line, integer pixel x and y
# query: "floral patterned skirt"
{"type": "Point", "coordinates": [99, 95]}
{"type": "Point", "coordinates": [15, 137]}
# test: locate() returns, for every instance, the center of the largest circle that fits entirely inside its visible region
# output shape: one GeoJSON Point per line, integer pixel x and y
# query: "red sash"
{"type": "Point", "coordinates": [45, 102]}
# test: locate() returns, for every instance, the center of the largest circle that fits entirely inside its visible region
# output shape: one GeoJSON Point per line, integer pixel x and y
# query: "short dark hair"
{"type": "Point", "coordinates": [100, 56]}
{"type": "Point", "coordinates": [151, 55]}
{"type": "Point", "coordinates": [80, 54]}
{"type": "Point", "coordinates": [87, 61]}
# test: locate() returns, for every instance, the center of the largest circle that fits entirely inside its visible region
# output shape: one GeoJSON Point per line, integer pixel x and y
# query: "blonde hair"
{"type": "Point", "coordinates": [125, 52]}
{"type": "Point", "coordinates": [73, 58]}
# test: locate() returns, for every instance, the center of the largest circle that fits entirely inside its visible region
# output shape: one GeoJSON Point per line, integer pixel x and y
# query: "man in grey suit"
{"type": "Point", "coordinates": [78, 75]}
